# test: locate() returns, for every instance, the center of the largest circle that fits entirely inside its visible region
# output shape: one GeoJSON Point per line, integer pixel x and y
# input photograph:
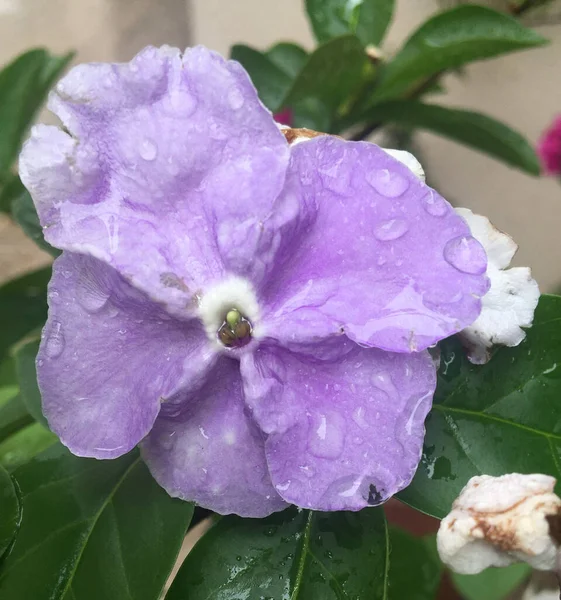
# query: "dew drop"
{"type": "Point", "coordinates": [326, 437]}
{"type": "Point", "coordinates": [384, 382]}
{"type": "Point", "coordinates": [393, 229]}
{"type": "Point", "coordinates": [148, 149]}
{"type": "Point", "coordinates": [55, 340]}
{"type": "Point", "coordinates": [435, 205]}
{"type": "Point", "coordinates": [388, 183]}
{"type": "Point", "coordinates": [235, 98]}
{"type": "Point", "coordinates": [91, 297]}
{"type": "Point", "coordinates": [466, 254]}
{"type": "Point", "coordinates": [53, 297]}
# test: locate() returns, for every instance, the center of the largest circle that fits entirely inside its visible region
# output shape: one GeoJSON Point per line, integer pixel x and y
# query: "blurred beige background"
{"type": "Point", "coordinates": [524, 90]}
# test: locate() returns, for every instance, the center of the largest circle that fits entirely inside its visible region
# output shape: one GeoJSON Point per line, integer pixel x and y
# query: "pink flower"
{"type": "Point", "coordinates": [284, 117]}
{"type": "Point", "coordinates": [549, 148]}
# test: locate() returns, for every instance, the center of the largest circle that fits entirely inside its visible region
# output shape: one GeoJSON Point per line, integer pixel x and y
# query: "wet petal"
{"type": "Point", "coordinates": [206, 449]}
{"type": "Point", "coordinates": [108, 358]}
{"type": "Point", "coordinates": [387, 261]}
{"type": "Point", "coordinates": [341, 435]}
{"type": "Point", "coordinates": [171, 158]}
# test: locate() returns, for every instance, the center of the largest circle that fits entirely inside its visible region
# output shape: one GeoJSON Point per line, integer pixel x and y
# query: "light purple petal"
{"type": "Point", "coordinates": [208, 450]}
{"type": "Point", "coordinates": [109, 356]}
{"type": "Point", "coordinates": [342, 435]}
{"type": "Point", "coordinates": [387, 261]}
{"type": "Point", "coordinates": [169, 174]}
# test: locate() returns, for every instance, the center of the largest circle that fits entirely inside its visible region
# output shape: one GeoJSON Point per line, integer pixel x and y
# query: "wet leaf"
{"type": "Point", "coordinates": [451, 39]}
{"type": "Point", "coordinates": [24, 356]}
{"type": "Point", "coordinates": [23, 307]}
{"type": "Point", "coordinates": [297, 555]}
{"type": "Point", "coordinates": [415, 569]}
{"type": "Point", "coordinates": [9, 513]}
{"type": "Point", "coordinates": [502, 417]}
{"type": "Point", "coordinates": [92, 529]}
{"type": "Point", "coordinates": [473, 129]}
{"type": "Point", "coordinates": [368, 19]}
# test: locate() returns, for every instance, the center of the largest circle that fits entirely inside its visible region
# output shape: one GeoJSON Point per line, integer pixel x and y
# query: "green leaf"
{"type": "Point", "coordinates": [297, 555]}
{"type": "Point", "coordinates": [24, 356]}
{"type": "Point", "coordinates": [271, 81]}
{"type": "Point", "coordinates": [470, 128]}
{"type": "Point", "coordinates": [9, 515]}
{"type": "Point", "coordinates": [450, 39]}
{"type": "Point", "coordinates": [369, 19]}
{"type": "Point", "coordinates": [418, 558]}
{"type": "Point", "coordinates": [502, 417]}
{"type": "Point", "coordinates": [24, 213]}
{"type": "Point", "coordinates": [24, 84]}
{"type": "Point", "coordinates": [23, 307]}
{"type": "Point", "coordinates": [332, 74]}
{"type": "Point", "coordinates": [25, 444]}
{"type": "Point", "coordinates": [12, 188]}
{"type": "Point", "coordinates": [92, 529]}
{"type": "Point", "coordinates": [13, 416]}
{"type": "Point", "coordinates": [493, 583]}
{"type": "Point", "coordinates": [288, 57]}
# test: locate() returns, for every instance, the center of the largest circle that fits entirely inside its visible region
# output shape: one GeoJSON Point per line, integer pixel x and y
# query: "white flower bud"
{"type": "Point", "coordinates": [497, 521]}
{"type": "Point", "coordinates": [511, 300]}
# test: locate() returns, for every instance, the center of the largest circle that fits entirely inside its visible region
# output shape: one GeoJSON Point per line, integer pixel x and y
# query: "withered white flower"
{"type": "Point", "coordinates": [497, 521]}
{"type": "Point", "coordinates": [511, 300]}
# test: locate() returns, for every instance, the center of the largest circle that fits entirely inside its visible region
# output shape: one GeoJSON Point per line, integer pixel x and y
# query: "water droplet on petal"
{"type": "Point", "coordinates": [466, 254]}
{"type": "Point", "coordinates": [235, 98]}
{"type": "Point", "coordinates": [53, 297]}
{"type": "Point", "coordinates": [384, 382]}
{"type": "Point", "coordinates": [91, 297]}
{"type": "Point", "coordinates": [435, 205]}
{"type": "Point", "coordinates": [393, 229]}
{"type": "Point", "coordinates": [388, 183]}
{"type": "Point", "coordinates": [55, 340]}
{"type": "Point", "coordinates": [148, 149]}
{"type": "Point", "coordinates": [326, 437]}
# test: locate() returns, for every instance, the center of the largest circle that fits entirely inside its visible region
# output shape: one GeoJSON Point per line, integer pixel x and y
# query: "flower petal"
{"type": "Point", "coordinates": [387, 261]}
{"type": "Point", "coordinates": [108, 357]}
{"type": "Point", "coordinates": [341, 435]}
{"type": "Point", "coordinates": [511, 300]}
{"type": "Point", "coordinates": [173, 159]}
{"type": "Point", "coordinates": [206, 449]}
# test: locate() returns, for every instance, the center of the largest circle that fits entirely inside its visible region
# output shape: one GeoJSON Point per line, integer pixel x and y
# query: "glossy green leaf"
{"type": "Point", "coordinates": [24, 84]}
{"type": "Point", "coordinates": [493, 583]}
{"type": "Point", "coordinates": [473, 129]}
{"type": "Point", "coordinates": [25, 215]}
{"type": "Point", "coordinates": [450, 39]}
{"type": "Point", "coordinates": [13, 416]}
{"type": "Point", "coordinates": [368, 19]}
{"type": "Point", "coordinates": [271, 81]}
{"type": "Point", "coordinates": [502, 417]}
{"type": "Point", "coordinates": [25, 444]}
{"type": "Point", "coordinates": [297, 555]}
{"type": "Point", "coordinates": [415, 569]}
{"type": "Point", "coordinates": [9, 510]}
{"type": "Point", "coordinates": [288, 57]}
{"type": "Point", "coordinates": [23, 307]}
{"type": "Point", "coordinates": [332, 74]}
{"type": "Point", "coordinates": [92, 529]}
{"type": "Point", "coordinates": [24, 356]}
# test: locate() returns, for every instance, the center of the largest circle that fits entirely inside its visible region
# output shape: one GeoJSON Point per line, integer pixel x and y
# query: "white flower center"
{"type": "Point", "coordinates": [230, 312]}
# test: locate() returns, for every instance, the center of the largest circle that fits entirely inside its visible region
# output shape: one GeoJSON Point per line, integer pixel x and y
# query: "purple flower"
{"type": "Point", "coordinates": [549, 148]}
{"type": "Point", "coordinates": [255, 314]}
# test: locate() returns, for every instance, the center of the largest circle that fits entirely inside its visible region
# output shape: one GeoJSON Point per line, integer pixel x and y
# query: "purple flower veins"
{"type": "Point", "coordinates": [254, 314]}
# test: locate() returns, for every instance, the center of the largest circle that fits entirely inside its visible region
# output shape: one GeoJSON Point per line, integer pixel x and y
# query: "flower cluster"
{"type": "Point", "coordinates": [254, 312]}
